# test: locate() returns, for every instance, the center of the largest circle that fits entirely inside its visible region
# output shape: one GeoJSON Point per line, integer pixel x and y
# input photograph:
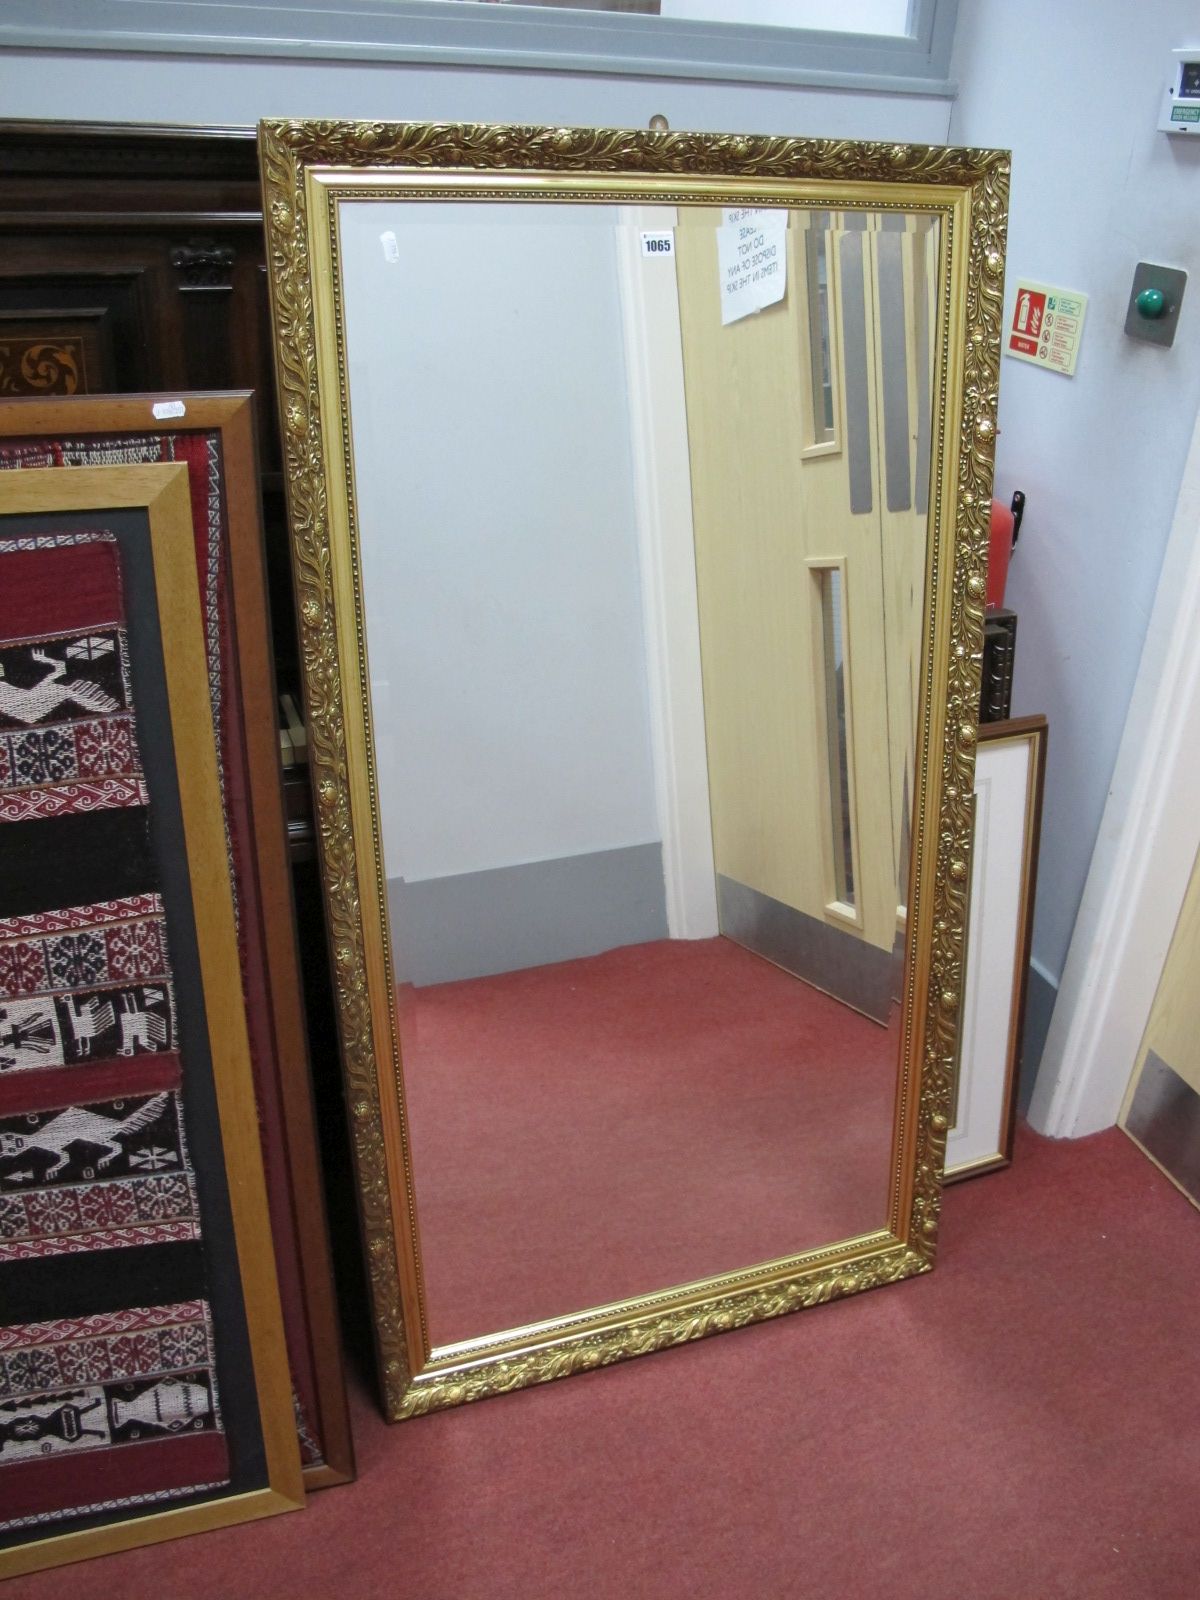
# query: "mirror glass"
{"type": "Point", "coordinates": [641, 497]}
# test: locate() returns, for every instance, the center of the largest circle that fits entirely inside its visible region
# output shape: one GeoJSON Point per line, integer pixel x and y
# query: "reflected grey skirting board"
{"type": "Point", "coordinates": [1164, 1118]}
{"type": "Point", "coordinates": [474, 924]}
{"type": "Point", "coordinates": [847, 968]}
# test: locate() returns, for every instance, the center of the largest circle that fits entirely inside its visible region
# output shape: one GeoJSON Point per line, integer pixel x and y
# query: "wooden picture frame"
{"type": "Point", "coordinates": [82, 498]}
{"type": "Point", "coordinates": [217, 434]}
{"type": "Point", "coordinates": [1010, 773]}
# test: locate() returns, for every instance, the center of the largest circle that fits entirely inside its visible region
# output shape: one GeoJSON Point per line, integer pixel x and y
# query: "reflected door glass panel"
{"type": "Point", "coordinates": [820, 332]}
{"type": "Point", "coordinates": [833, 676]}
{"type": "Point", "coordinates": [599, 1106]}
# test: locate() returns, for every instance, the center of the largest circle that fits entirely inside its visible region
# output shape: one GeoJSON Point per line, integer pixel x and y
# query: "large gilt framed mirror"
{"type": "Point", "coordinates": [639, 489]}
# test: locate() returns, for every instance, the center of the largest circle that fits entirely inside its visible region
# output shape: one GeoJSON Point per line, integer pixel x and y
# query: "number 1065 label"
{"type": "Point", "coordinates": [658, 244]}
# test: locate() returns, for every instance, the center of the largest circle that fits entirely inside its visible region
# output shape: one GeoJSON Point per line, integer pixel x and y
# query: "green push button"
{"type": "Point", "coordinates": [1151, 303]}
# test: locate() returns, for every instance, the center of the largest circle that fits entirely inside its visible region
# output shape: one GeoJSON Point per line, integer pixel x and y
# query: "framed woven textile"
{"type": "Point", "coordinates": [144, 1387]}
{"type": "Point", "coordinates": [213, 436]}
{"type": "Point", "coordinates": [1010, 772]}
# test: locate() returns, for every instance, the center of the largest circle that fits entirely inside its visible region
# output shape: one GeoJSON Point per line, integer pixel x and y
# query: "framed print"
{"type": "Point", "coordinates": [144, 1388]}
{"type": "Point", "coordinates": [213, 436]}
{"type": "Point", "coordinates": [1010, 771]}
{"type": "Point", "coordinates": [637, 484]}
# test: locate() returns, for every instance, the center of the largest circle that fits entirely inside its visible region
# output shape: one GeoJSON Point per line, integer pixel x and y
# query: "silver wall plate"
{"type": "Point", "coordinates": [1172, 281]}
{"type": "Point", "coordinates": [1164, 1118]}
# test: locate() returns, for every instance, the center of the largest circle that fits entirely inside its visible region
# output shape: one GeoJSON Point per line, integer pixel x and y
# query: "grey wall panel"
{"type": "Point", "coordinates": [570, 37]}
{"type": "Point", "coordinates": [842, 965]}
{"type": "Point", "coordinates": [474, 924]}
{"type": "Point", "coordinates": [1164, 1118]}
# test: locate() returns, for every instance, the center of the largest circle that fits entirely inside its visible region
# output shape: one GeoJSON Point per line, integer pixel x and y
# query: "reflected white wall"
{"type": "Point", "coordinates": [504, 619]}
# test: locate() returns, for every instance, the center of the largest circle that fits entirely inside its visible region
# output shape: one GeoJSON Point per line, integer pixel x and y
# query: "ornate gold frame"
{"type": "Point", "coordinates": [308, 168]}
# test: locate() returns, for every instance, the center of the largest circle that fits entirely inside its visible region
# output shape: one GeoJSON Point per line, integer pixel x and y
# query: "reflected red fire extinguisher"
{"type": "Point", "coordinates": [1006, 526]}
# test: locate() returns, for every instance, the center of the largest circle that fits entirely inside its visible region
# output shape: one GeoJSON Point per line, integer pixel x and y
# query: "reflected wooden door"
{"type": "Point", "coordinates": [791, 597]}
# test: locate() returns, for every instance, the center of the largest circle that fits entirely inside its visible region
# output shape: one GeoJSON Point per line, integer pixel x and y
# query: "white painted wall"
{"type": "Point", "coordinates": [849, 16]}
{"type": "Point", "coordinates": [1073, 89]}
{"type": "Point", "coordinates": [500, 554]}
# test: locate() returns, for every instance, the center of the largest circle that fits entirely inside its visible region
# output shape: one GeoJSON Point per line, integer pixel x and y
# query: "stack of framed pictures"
{"type": "Point", "coordinates": [168, 1344]}
{"type": "Point", "coordinates": [1010, 771]}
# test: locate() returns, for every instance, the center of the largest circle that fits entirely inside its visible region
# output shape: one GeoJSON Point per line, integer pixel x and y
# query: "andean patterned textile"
{"type": "Point", "coordinates": [67, 741]}
{"type": "Point", "coordinates": [99, 1386]}
{"type": "Point", "coordinates": [201, 453]}
{"type": "Point", "coordinates": [85, 984]}
{"type": "Point", "coordinates": [96, 1176]}
{"type": "Point", "coordinates": [108, 1397]}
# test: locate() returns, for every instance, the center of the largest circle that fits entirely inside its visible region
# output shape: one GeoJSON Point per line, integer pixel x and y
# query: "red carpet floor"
{"type": "Point", "coordinates": [1021, 1424]}
{"type": "Point", "coordinates": [608, 1127]}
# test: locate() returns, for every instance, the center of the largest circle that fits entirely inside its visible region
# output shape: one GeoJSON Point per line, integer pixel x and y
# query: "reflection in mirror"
{"type": "Point", "coordinates": [643, 539]}
{"type": "Point", "coordinates": [832, 674]}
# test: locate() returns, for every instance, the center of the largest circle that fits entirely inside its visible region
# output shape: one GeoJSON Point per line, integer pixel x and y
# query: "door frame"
{"type": "Point", "coordinates": [649, 298]}
{"type": "Point", "coordinates": [1143, 858]}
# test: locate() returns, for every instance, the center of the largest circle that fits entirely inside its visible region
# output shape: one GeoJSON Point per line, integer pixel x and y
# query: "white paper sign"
{"type": "Point", "coordinates": [162, 409]}
{"type": "Point", "coordinates": [658, 244]}
{"type": "Point", "coordinates": [752, 261]}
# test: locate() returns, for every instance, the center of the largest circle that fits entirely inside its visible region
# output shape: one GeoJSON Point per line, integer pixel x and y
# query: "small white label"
{"type": "Point", "coordinates": [391, 249]}
{"type": "Point", "coordinates": [162, 409]}
{"type": "Point", "coordinates": [658, 244]}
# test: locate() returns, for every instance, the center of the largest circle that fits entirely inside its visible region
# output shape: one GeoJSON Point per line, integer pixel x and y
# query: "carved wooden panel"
{"type": "Point", "coordinates": [135, 257]}
{"type": "Point", "coordinates": [47, 355]}
{"type": "Point", "coordinates": [69, 333]}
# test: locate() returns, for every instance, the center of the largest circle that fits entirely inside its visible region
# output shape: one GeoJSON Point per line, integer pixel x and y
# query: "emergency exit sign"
{"type": "Point", "coordinates": [1046, 326]}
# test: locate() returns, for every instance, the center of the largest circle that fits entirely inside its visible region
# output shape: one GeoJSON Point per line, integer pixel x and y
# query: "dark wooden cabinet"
{"type": "Point", "coordinates": [131, 259]}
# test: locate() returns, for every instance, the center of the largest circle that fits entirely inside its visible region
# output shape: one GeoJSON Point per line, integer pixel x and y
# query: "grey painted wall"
{"type": "Point", "coordinates": [1095, 189]}
{"type": "Point", "coordinates": [478, 923]}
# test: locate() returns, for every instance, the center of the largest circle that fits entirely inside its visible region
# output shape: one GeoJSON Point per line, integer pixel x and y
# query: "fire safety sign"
{"type": "Point", "coordinates": [1046, 326]}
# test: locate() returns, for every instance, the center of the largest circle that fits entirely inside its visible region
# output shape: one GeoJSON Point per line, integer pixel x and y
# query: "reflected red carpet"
{"type": "Point", "coordinates": [1021, 1424]}
{"type": "Point", "coordinates": [613, 1126]}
